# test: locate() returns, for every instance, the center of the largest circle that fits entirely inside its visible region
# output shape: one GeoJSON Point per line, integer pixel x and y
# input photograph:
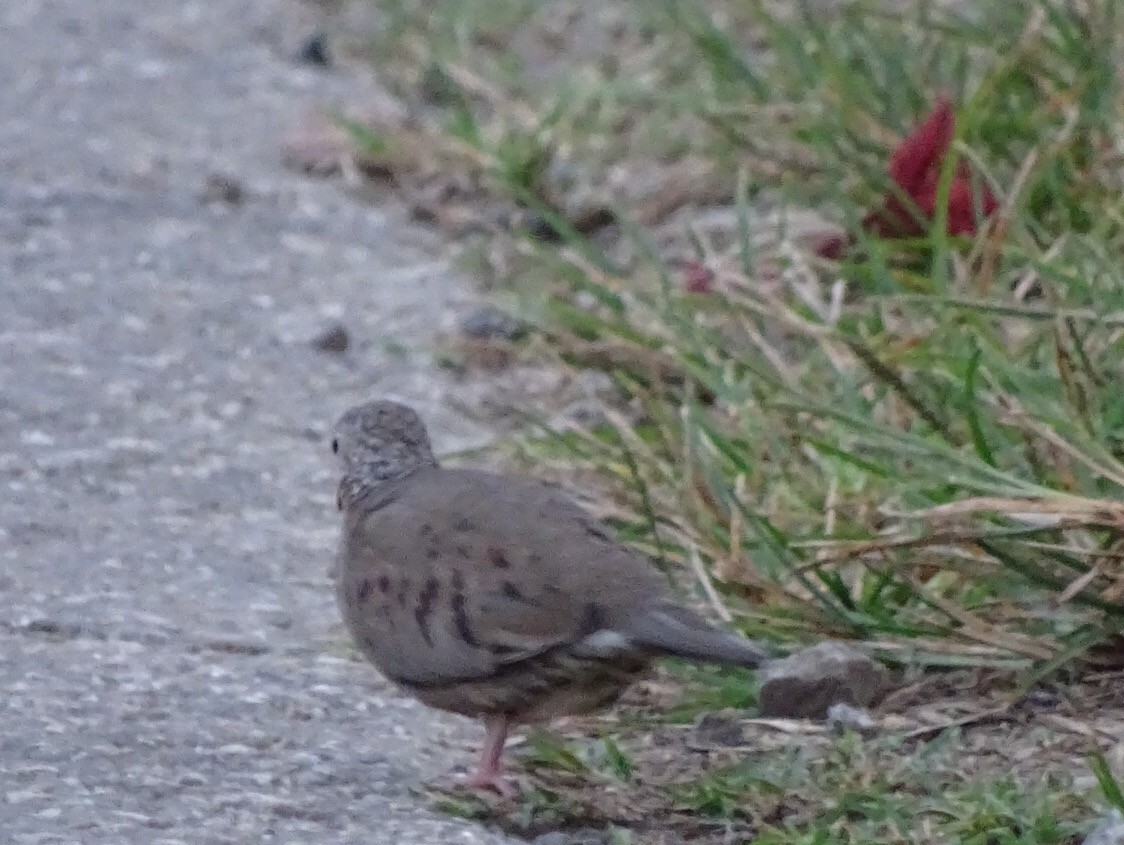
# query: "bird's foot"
{"type": "Point", "coordinates": [478, 784]}
{"type": "Point", "coordinates": [484, 781]}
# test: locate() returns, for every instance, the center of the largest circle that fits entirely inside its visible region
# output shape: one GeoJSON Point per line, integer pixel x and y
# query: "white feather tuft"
{"type": "Point", "coordinates": [605, 643]}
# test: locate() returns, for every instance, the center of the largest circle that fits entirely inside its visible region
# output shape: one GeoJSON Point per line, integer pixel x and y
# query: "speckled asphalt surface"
{"type": "Point", "coordinates": [171, 664]}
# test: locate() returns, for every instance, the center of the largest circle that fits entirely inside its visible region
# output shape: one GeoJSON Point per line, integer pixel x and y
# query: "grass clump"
{"type": "Point", "coordinates": [914, 440]}
{"type": "Point", "coordinates": [918, 444]}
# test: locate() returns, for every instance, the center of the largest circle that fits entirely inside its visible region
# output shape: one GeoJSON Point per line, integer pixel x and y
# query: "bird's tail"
{"type": "Point", "coordinates": [672, 631]}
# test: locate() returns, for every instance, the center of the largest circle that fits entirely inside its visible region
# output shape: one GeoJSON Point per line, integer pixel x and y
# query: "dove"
{"type": "Point", "coordinates": [494, 597]}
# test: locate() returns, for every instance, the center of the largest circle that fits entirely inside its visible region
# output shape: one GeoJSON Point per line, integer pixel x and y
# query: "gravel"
{"type": "Point", "coordinates": [172, 663]}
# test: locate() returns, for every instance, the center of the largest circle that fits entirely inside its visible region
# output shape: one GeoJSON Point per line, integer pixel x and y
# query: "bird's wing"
{"type": "Point", "coordinates": [457, 574]}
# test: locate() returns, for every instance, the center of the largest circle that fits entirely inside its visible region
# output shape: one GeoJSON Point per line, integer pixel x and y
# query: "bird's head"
{"type": "Point", "coordinates": [376, 442]}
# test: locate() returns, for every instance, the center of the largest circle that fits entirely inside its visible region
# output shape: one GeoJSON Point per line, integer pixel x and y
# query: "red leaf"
{"type": "Point", "coordinates": [962, 205]}
{"type": "Point", "coordinates": [915, 167]}
{"type": "Point", "coordinates": [697, 278]}
{"type": "Point", "coordinates": [923, 151]}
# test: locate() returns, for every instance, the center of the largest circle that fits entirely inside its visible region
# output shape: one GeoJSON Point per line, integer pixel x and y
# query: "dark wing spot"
{"type": "Point", "coordinates": [460, 617]}
{"type": "Point", "coordinates": [384, 584]}
{"type": "Point", "coordinates": [427, 530]}
{"type": "Point", "coordinates": [432, 553]}
{"type": "Point", "coordinates": [515, 594]}
{"type": "Point", "coordinates": [463, 523]}
{"type": "Point", "coordinates": [424, 608]}
{"type": "Point", "coordinates": [464, 550]}
{"type": "Point", "coordinates": [498, 558]}
{"type": "Point", "coordinates": [364, 591]}
{"type": "Point", "coordinates": [403, 588]}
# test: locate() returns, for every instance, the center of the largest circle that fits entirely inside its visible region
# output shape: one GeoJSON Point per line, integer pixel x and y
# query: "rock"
{"type": "Point", "coordinates": [581, 413]}
{"type": "Point", "coordinates": [489, 323]}
{"type": "Point", "coordinates": [536, 226]}
{"type": "Point", "coordinates": [333, 338]}
{"type": "Point", "coordinates": [52, 629]}
{"type": "Point", "coordinates": [1041, 699]}
{"type": "Point", "coordinates": [314, 51]}
{"type": "Point", "coordinates": [805, 684]}
{"type": "Point", "coordinates": [439, 89]}
{"type": "Point", "coordinates": [719, 729]}
{"type": "Point", "coordinates": [223, 188]}
{"type": "Point", "coordinates": [594, 391]}
{"type": "Point", "coordinates": [1109, 831]}
{"type": "Point", "coordinates": [843, 717]}
{"type": "Point", "coordinates": [586, 301]}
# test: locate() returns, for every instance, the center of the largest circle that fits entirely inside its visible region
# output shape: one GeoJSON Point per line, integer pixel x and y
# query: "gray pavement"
{"type": "Point", "coordinates": [171, 664]}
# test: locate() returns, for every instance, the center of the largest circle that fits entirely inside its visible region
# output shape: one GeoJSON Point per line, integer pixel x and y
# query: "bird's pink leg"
{"type": "Point", "coordinates": [487, 774]}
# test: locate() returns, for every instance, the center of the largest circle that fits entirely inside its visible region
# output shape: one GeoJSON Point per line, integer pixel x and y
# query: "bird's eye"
{"type": "Point", "coordinates": [335, 446]}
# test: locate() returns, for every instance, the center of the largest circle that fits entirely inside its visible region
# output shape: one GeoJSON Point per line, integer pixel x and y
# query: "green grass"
{"type": "Point", "coordinates": [919, 445]}
{"type": "Point", "coordinates": [855, 795]}
{"type": "Point", "coordinates": [841, 790]}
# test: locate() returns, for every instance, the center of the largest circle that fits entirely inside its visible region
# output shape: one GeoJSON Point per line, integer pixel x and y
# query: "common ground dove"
{"type": "Point", "coordinates": [494, 597]}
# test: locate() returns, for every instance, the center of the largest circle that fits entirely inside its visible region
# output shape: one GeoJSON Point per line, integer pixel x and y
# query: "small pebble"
{"type": "Point", "coordinates": [490, 323]}
{"type": "Point", "coordinates": [314, 51]}
{"type": "Point", "coordinates": [1041, 699]}
{"type": "Point", "coordinates": [222, 188]}
{"type": "Point", "coordinates": [535, 225]}
{"type": "Point", "coordinates": [583, 413]}
{"type": "Point", "coordinates": [585, 300]}
{"type": "Point", "coordinates": [844, 717]}
{"type": "Point", "coordinates": [52, 629]}
{"type": "Point", "coordinates": [333, 338]}
{"type": "Point", "coordinates": [440, 89]}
